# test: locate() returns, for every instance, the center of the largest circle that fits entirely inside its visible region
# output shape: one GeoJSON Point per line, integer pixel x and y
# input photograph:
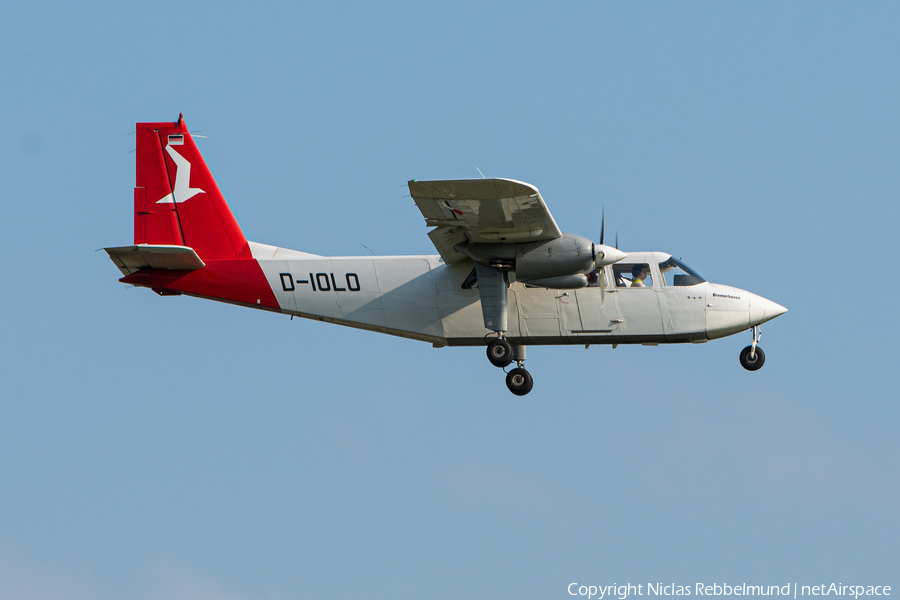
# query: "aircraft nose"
{"type": "Point", "coordinates": [607, 255]}
{"type": "Point", "coordinates": [762, 310]}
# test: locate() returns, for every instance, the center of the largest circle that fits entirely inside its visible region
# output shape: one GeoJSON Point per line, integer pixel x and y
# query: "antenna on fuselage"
{"type": "Point", "coordinates": [480, 173]}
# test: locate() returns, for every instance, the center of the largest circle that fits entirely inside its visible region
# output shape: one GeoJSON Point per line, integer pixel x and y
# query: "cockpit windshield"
{"type": "Point", "coordinates": [678, 274]}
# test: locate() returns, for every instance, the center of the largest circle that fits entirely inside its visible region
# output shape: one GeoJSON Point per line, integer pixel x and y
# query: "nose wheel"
{"type": "Point", "coordinates": [752, 357]}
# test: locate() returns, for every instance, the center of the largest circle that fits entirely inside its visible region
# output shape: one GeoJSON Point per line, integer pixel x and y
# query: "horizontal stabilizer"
{"type": "Point", "coordinates": [130, 259]}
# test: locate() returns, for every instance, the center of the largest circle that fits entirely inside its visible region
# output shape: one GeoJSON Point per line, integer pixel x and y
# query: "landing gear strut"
{"type": "Point", "coordinates": [752, 357]}
{"type": "Point", "coordinates": [492, 289]}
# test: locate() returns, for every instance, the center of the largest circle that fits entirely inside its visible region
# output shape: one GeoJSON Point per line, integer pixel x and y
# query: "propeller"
{"type": "Point", "coordinates": [602, 223]}
{"type": "Point", "coordinates": [604, 255]}
{"type": "Point", "coordinates": [602, 269]}
{"type": "Point", "coordinates": [602, 288]}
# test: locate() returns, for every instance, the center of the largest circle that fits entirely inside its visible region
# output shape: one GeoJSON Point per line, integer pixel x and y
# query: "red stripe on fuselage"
{"type": "Point", "coordinates": [241, 281]}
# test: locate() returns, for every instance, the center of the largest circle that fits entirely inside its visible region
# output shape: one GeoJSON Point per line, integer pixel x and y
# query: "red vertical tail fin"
{"type": "Point", "coordinates": [176, 199]}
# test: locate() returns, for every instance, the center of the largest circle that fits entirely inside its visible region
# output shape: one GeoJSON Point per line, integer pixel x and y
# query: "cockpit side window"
{"type": "Point", "coordinates": [632, 275]}
{"type": "Point", "coordinates": [678, 274]}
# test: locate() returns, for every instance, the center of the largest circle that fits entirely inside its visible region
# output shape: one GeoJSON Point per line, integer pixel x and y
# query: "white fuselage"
{"type": "Point", "coordinates": [421, 297]}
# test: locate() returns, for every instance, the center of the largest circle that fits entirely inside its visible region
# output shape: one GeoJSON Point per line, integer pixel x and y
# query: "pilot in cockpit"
{"type": "Point", "coordinates": [639, 273]}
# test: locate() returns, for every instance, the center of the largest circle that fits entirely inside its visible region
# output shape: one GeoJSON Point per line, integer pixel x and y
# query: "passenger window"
{"type": "Point", "coordinates": [636, 275]}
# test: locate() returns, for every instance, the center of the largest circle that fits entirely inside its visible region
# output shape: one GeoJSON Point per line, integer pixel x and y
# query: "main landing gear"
{"type": "Point", "coordinates": [519, 381]}
{"type": "Point", "coordinates": [752, 357]}
{"type": "Point", "coordinates": [501, 354]}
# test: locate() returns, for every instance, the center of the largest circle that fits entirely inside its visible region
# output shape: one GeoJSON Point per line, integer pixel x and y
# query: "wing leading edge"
{"type": "Point", "coordinates": [482, 211]}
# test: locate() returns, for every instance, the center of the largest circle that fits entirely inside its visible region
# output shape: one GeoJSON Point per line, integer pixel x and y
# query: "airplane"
{"type": "Point", "coordinates": [505, 275]}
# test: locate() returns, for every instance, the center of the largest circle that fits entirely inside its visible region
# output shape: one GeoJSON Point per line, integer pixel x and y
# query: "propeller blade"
{"type": "Point", "coordinates": [617, 240]}
{"type": "Point", "coordinates": [602, 224]}
{"type": "Point", "coordinates": [602, 288]}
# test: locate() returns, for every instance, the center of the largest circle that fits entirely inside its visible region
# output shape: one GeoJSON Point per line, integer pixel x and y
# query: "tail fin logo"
{"type": "Point", "coordinates": [183, 190]}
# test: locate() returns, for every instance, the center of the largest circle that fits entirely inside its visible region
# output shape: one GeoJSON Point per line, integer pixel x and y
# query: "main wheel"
{"type": "Point", "coordinates": [519, 381]}
{"type": "Point", "coordinates": [755, 363]}
{"type": "Point", "coordinates": [500, 353]}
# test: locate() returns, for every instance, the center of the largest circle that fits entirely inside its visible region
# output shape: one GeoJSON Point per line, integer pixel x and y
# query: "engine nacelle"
{"type": "Point", "coordinates": [566, 255]}
{"type": "Point", "coordinates": [548, 259]}
{"type": "Point", "coordinates": [567, 282]}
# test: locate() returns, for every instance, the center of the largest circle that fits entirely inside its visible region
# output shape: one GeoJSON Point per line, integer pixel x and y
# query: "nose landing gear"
{"type": "Point", "coordinates": [752, 357]}
{"type": "Point", "coordinates": [501, 354]}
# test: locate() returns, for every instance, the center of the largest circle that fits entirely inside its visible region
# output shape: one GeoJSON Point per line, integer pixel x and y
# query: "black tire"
{"type": "Point", "coordinates": [755, 363]}
{"type": "Point", "coordinates": [500, 353]}
{"type": "Point", "coordinates": [519, 381]}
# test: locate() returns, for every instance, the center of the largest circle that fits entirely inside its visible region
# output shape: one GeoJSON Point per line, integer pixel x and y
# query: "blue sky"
{"type": "Point", "coordinates": [175, 448]}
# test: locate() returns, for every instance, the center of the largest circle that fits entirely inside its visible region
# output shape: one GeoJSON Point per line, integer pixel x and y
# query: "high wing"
{"type": "Point", "coordinates": [482, 211]}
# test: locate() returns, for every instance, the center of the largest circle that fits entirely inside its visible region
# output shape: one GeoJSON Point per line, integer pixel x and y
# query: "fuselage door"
{"type": "Point", "coordinates": [538, 311]}
{"type": "Point", "coordinates": [637, 288]}
{"type": "Point", "coordinates": [683, 301]}
{"type": "Point", "coordinates": [598, 309]}
{"type": "Point", "coordinates": [684, 312]}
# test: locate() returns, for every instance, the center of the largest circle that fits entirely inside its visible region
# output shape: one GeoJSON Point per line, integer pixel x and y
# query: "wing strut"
{"type": "Point", "coordinates": [492, 287]}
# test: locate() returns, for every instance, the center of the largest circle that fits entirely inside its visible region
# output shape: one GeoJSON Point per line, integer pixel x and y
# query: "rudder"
{"type": "Point", "coordinates": [176, 199]}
